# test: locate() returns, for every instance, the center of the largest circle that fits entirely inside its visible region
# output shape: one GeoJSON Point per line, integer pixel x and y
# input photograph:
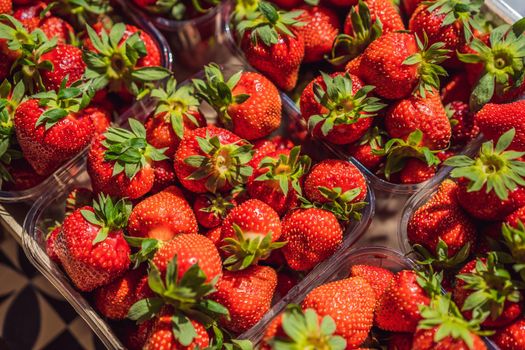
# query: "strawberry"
{"type": "Point", "coordinates": [53, 127]}
{"type": "Point", "coordinates": [134, 336]}
{"type": "Point", "coordinates": [400, 341]}
{"type": "Point", "coordinates": [462, 121]}
{"type": "Point", "coordinates": [338, 108]}
{"type": "Point", "coordinates": [55, 27]}
{"type": "Point", "coordinates": [270, 44]}
{"type": "Point", "coordinates": [247, 103]}
{"type": "Point", "coordinates": [30, 15]}
{"type": "Point", "coordinates": [399, 63]}
{"type": "Point", "coordinates": [485, 291]}
{"type": "Point", "coordinates": [264, 147]}
{"type": "Point", "coordinates": [214, 235]}
{"type": "Point", "coordinates": [420, 113]}
{"type": "Point", "coordinates": [442, 228]}
{"type": "Point", "coordinates": [22, 175]}
{"type": "Point", "coordinates": [494, 120]}
{"type": "Point", "coordinates": [115, 299]}
{"type": "Point", "coordinates": [410, 6]}
{"type": "Point", "coordinates": [249, 233]}
{"type": "Point", "coordinates": [164, 176]}
{"type": "Point", "coordinates": [176, 112]}
{"type": "Point", "coordinates": [416, 171]}
{"type": "Point", "coordinates": [353, 315]}
{"type": "Point", "coordinates": [377, 277]}
{"type": "Point", "coordinates": [6, 6]}
{"type": "Point", "coordinates": [212, 159]}
{"type": "Point", "coordinates": [398, 307]}
{"type": "Point", "coordinates": [313, 235]}
{"type": "Point", "coordinates": [162, 216]}
{"type": "Point", "coordinates": [101, 118]}
{"type": "Point", "coordinates": [456, 89]}
{"type": "Point", "coordinates": [211, 209]}
{"type": "Point", "coordinates": [278, 177]}
{"type": "Point", "coordinates": [365, 150]}
{"type": "Point", "coordinates": [91, 245]}
{"type": "Point", "coordinates": [119, 162]}
{"type": "Point", "coordinates": [380, 10]}
{"type": "Point", "coordinates": [50, 243]}
{"type": "Point", "coordinates": [320, 30]}
{"type": "Point", "coordinates": [491, 185]}
{"type": "Point", "coordinates": [511, 336]}
{"type": "Point", "coordinates": [255, 286]}
{"type": "Point", "coordinates": [67, 63]}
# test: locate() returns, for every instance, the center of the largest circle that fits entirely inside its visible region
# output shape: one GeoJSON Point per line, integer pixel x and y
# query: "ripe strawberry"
{"type": "Point", "coordinates": [50, 243]}
{"type": "Point", "coordinates": [353, 315]}
{"type": "Point", "coordinates": [485, 290]}
{"type": "Point", "coordinates": [249, 233]}
{"type": "Point", "coordinates": [164, 176]}
{"type": "Point", "coordinates": [211, 209]}
{"type": "Point", "coordinates": [416, 171]}
{"type": "Point", "coordinates": [365, 151]}
{"type": "Point", "coordinates": [338, 107]}
{"type": "Point", "coordinates": [398, 307]}
{"type": "Point", "coordinates": [53, 127]}
{"type": "Point", "coordinates": [101, 118]}
{"type": "Point", "coordinates": [382, 10]}
{"type": "Point", "coordinates": [400, 341]}
{"type": "Point", "coordinates": [30, 15]}
{"type": "Point", "coordinates": [320, 30]}
{"type": "Point", "coordinates": [270, 44]}
{"type": "Point", "coordinates": [214, 235]}
{"type": "Point", "coordinates": [491, 184]}
{"type": "Point", "coordinates": [277, 179]}
{"type": "Point", "coordinates": [212, 159]}
{"type": "Point", "coordinates": [312, 234]}
{"type": "Point", "coordinates": [67, 63]}
{"type": "Point", "coordinates": [255, 286]}
{"type": "Point", "coordinates": [494, 120]}
{"type": "Point", "coordinates": [456, 89]}
{"type": "Point", "coordinates": [55, 27]}
{"type": "Point", "coordinates": [91, 245]}
{"type": "Point", "coordinates": [162, 216]}
{"type": "Point", "coordinates": [397, 64]}
{"type": "Point", "coordinates": [420, 113]}
{"type": "Point", "coordinates": [377, 277]}
{"type": "Point", "coordinates": [119, 162]}
{"type": "Point", "coordinates": [23, 176]}
{"type": "Point", "coordinates": [176, 112]}
{"type": "Point", "coordinates": [264, 147]}
{"type": "Point", "coordinates": [511, 336]}
{"type": "Point", "coordinates": [247, 103]}
{"type": "Point", "coordinates": [115, 299]}
{"type": "Point", "coordinates": [134, 336]}
{"type": "Point", "coordinates": [6, 6]}
{"type": "Point", "coordinates": [442, 228]}
{"type": "Point", "coordinates": [462, 121]}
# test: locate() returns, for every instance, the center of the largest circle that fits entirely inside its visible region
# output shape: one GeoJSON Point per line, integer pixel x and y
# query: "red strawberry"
{"type": "Point", "coordinates": [101, 118]}
{"type": "Point", "coordinates": [365, 150]}
{"type": "Point", "coordinates": [396, 64]}
{"type": "Point", "coordinates": [277, 179]}
{"type": "Point", "coordinates": [52, 128]}
{"type": "Point", "coordinates": [456, 89]}
{"type": "Point", "coordinates": [29, 15]}
{"type": "Point", "coordinates": [23, 176]}
{"type": "Point", "coordinates": [264, 147]}
{"type": "Point", "coordinates": [382, 10]}
{"type": "Point", "coordinates": [119, 162]}
{"type": "Point", "coordinates": [400, 341]}
{"type": "Point", "coordinates": [214, 235]}
{"type": "Point", "coordinates": [55, 27]}
{"type": "Point", "coordinates": [212, 159]}
{"type": "Point", "coordinates": [511, 336]}
{"type": "Point", "coordinates": [164, 176]}
{"type": "Point", "coordinates": [462, 121]}
{"type": "Point", "coordinates": [353, 315]}
{"type": "Point", "coordinates": [211, 209]}
{"type": "Point", "coordinates": [134, 336]}
{"type": "Point", "coordinates": [321, 27]}
{"type": "Point", "coordinates": [271, 46]}
{"type": "Point", "coordinates": [91, 245]}
{"type": "Point", "coordinates": [6, 6]}
{"type": "Point", "coordinates": [441, 227]}
{"type": "Point", "coordinates": [176, 112]}
{"type": "Point", "coordinates": [162, 216]}
{"type": "Point", "coordinates": [255, 286]}
{"type": "Point", "coordinates": [313, 235]}
{"type": "Point", "coordinates": [249, 233]}
{"type": "Point", "coordinates": [338, 107]}
{"type": "Point", "coordinates": [50, 243]}
{"type": "Point", "coordinates": [416, 171]}
{"type": "Point", "coordinates": [377, 277]}
{"type": "Point", "coordinates": [247, 103]}
{"type": "Point", "coordinates": [420, 113]}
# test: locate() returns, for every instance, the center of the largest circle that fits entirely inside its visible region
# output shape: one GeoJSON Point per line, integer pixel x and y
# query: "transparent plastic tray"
{"type": "Point", "coordinates": [50, 208]}
{"type": "Point", "coordinates": [71, 167]}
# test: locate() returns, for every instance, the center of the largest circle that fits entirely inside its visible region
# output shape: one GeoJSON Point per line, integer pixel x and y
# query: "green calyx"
{"type": "Point", "coordinates": [374, 137]}
{"type": "Point", "coordinates": [9, 100]}
{"type": "Point", "coordinates": [441, 259]}
{"type": "Point", "coordinates": [147, 247]}
{"type": "Point", "coordinates": [348, 46]}
{"type": "Point", "coordinates": [286, 170]}
{"type": "Point", "coordinates": [30, 47]}
{"type": "Point", "coordinates": [107, 214]}
{"type": "Point", "coordinates": [187, 297]}
{"type": "Point", "coordinates": [129, 149]}
{"type": "Point", "coordinates": [176, 104]}
{"type": "Point", "coordinates": [445, 315]}
{"type": "Point", "coordinates": [514, 239]}
{"type": "Point", "coordinates": [341, 204]}
{"type": "Point", "coordinates": [59, 104]}
{"type": "Point", "coordinates": [243, 8]}
{"type": "Point", "coordinates": [344, 107]}
{"type": "Point", "coordinates": [497, 169]}
{"type": "Point", "coordinates": [503, 62]}
{"type": "Point", "coordinates": [218, 92]}
{"type": "Point", "coordinates": [178, 9]}
{"type": "Point", "coordinates": [428, 60]}
{"type": "Point", "coordinates": [247, 251]}
{"type": "Point", "coordinates": [306, 330]}
{"type": "Point", "coordinates": [463, 11]}
{"type": "Point", "coordinates": [491, 285]}
{"type": "Point", "coordinates": [220, 205]}
{"type": "Point", "coordinates": [398, 151]}
{"type": "Point", "coordinates": [430, 282]}
{"type": "Point", "coordinates": [113, 63]}
{"type": "Point", "coordinates": [82, 12]}
{"type": "Point", "coordinates": [267, 24]}
{"type": "Point", "coordinates": [223, 164]}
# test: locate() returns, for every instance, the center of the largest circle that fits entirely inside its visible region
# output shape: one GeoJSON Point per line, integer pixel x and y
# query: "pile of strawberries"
{"type": "Point", "coordinates": [65, 69]}
{"type": "Point", "coordinates": [192, 229]}
{"type": "Point", "coordinates": [179, 10]}
{"type": "Point", "coordinates": [394, 86]}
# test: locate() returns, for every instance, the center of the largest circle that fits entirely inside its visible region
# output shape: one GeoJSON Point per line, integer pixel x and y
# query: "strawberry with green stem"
{"type": "Point", "coordinates": [270, 44]}
{"type": "Point", "coordinates": [177, 9]}
{"type": "Point", "coordinates": [363, 150]}
{"type": "Point", "coordinates": [514, 239]}
{"type": "Point", "coordinates": [211, 208]}
{"type": "Point", "coordinates": [9, 100]}
{"type": "Point", "coordinates": [82, 12]}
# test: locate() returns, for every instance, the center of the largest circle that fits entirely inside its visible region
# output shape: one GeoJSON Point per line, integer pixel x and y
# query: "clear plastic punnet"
{"type": "Point", "coordinates": [49, 208]}
{"type": "Point", "coordinates": [70, 168]}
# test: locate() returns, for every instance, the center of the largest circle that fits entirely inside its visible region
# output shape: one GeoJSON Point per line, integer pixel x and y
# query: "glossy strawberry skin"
{"type": "Point", "coordinates": [50, 244]}
{"type": "Point", "coordinates": [67, 62]}
{"type": "Point", "coordinates": [456, 89]}
{"type": "Point", "coordinates": [511, 337]}
{"type": "Point", "coordinates": [416, 171]}
{"type": "Point", "coordinates": [90, 265]}
{"type": "Point", "coordinates": [364, 154]}
{"type": "Point", "coordinates": [377, 277]}
{"type": "Point", "coordinates": [101, 118]}
{"type": "Point", "coordinates": [463, 128]}
{"type": "Point", "coordinates": [161, 335]}
{"type": "Point", "coordinates": [24, 176]}
{"type": "Point", "coordinates": [55, 27]}
{"type": "Point", "coordinates": [383, 10]}
{"type": "Point", "coordinates": [424, 340]}
{"type": "Point", "coordinates": [47, 150]}
{"type": "Point", "coordinates": [164, 176]}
